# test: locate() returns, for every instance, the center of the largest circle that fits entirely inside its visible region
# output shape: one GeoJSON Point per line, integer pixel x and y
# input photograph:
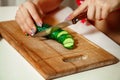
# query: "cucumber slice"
{"type": "Point", "coordinates": [63, 37]}
{"type": "Point", "coordinates": [61, 33]}
{"type": "Point", "coordinates": [68, 40]}
{"type": "Point", "coordinates": [68, 43]}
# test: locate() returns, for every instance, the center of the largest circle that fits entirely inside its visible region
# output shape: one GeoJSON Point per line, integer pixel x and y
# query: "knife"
{"type": "Point", "coordinates": [61, 25]}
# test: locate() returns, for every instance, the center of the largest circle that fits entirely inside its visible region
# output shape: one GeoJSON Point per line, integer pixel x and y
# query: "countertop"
{"type": "Point", "coordinates": [14, 67]}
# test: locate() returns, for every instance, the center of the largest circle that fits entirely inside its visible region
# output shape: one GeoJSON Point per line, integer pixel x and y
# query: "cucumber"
{"type": "Point", "coordinates": [58, 34]}
{"type": "Point", "coordinates": [42, 28]}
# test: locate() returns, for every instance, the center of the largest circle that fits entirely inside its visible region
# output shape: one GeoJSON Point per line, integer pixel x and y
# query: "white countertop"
{"type": "Point", "coordinates": [14, 67]}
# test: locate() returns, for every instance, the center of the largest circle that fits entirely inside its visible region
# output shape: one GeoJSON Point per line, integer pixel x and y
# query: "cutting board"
{"type": "Point", "coordinates": [50, 58]}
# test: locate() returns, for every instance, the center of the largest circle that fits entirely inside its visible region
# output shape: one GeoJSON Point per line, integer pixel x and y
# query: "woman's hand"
{"type": "Point", "coordinates": [96, 9]}
{"type": "Point", "coordinates": [31, 13]}
{"type": "Point", "coordinates": [26, 16]}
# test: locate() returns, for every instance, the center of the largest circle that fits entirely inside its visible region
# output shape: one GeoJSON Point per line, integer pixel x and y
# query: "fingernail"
{"type": "Point", "coordinates": [32, 32]}
{"type": "Point", "coordinates": [39, 24]}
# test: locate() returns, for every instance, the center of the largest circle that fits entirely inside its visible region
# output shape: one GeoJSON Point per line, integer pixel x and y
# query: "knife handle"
{"type": "Point", "coordinates": [79, 17]}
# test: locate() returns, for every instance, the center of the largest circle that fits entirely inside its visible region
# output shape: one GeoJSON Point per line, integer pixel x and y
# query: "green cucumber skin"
{"type": "Point", "coordinates": [61, 38]}
{"type": "Point", "coordinates": [42, 28]}
{"type": "Point", "coordinates": [57, 34]}
{"type": "Point", "coordinates": [53, 34]}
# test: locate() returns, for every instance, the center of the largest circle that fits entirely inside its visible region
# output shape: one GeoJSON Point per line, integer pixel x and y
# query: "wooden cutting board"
{"type": "Point", "coordinates": [50, 58]}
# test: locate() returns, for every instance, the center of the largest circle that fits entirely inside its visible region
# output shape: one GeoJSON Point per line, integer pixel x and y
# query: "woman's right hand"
{"type": "Point", "coordinates": [96, 9]}
{"type": "Point", "coordinates": [27, 15]}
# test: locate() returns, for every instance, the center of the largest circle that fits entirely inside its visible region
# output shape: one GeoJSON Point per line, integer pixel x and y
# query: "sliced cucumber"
{"type": "Point", "coordinates": [58, 34]}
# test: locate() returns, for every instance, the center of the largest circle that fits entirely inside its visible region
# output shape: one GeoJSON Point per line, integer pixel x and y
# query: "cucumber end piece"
{"type": "Point", "coordinates": [68, 43]}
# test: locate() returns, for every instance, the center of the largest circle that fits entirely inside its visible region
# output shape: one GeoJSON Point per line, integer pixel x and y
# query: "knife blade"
{"type": "Point", "coordinates": [61, 25]}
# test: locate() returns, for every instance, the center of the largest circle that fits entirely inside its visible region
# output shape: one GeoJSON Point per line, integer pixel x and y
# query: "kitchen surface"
{"type": "Point", "coordinates": [15, 67]}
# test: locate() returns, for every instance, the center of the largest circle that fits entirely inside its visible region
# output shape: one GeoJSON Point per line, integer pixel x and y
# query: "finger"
{"type": "Point", "coordinates": [29, 21]}
{"type": "Point", "coordinates": [91, 11]}
{"type": "Point", "coordinates": [105, 12]}
{"type": "Point", "coordinates": [78, 11]}
{"type": "Point", "coordinates": [33, 12]}
{"type": "Point", "coordinates": [19, 20]}
{"type": "Point", "coordinates": [27, 29]}
{"type": "Point", "coordinates": [98, 13]}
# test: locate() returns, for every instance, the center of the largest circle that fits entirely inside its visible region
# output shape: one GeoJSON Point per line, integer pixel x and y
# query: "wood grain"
{"type": "Point", "coordinates": [50, 58]}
